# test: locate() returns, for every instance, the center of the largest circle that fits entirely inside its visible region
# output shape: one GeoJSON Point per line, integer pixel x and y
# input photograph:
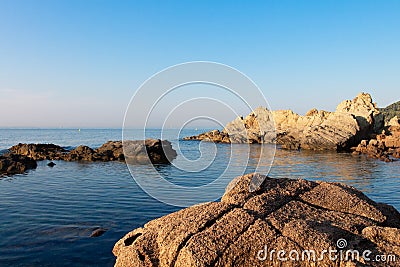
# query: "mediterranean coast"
{"type": "Point", "coordinates": [298, 184]}
{"type": "Point", "coordinates": [199, 133]}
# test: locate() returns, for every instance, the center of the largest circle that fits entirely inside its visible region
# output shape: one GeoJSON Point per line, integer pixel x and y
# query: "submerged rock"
{"type": "Point", "coordinates": [98, 232]}
{"type": "Point", "coordinates": [15, 164]}
{"type": "Point", "coordinates": [51, 164]}
{"type": "Point", "coordinates": [282, 214]}
{"type": "Point", "coordinates": [352, 121]}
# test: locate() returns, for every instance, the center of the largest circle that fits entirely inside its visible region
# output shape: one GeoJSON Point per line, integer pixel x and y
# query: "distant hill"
{"type": "Point", "coordinates": [391, 111]}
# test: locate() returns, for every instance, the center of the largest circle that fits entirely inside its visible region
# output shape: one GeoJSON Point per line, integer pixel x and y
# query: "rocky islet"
{"type": "Point", "coordinates": [23, 157]}
{"type": "Point", "coordinates": [352, 121]}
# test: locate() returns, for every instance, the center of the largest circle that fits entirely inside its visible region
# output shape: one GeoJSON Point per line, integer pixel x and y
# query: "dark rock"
{"type": "Point", "coordinates": [154, 151]}
{"type": "Point", "coordinates": [287, 141]}
{"type": "Point", "coordinates": [98, 232]}
{"type": "Point", "coordinates": [139, 151]}
{"type": "Point", "coordinates": [80, 153]}
{"type": "Point", "coordinates": [51, 164]}
{"type": "Point", "coordinates": [39, 151]}
{"type": "Point", "coordinates": [283, 214]}
{"type": "Point", "coordinates": [391, 111]}
{"type": "Point", "coordinates": [22, 157]}
{"type": "Point", "coordinates": [15, 164]}
{"type": "Point", "coordinates": [112, 150]}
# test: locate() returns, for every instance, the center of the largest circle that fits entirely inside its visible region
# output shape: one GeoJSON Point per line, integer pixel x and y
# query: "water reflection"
{"type": "Point", "coordinates": [47, 214]}
{"type": "Point", "coordinates": [358, 171]}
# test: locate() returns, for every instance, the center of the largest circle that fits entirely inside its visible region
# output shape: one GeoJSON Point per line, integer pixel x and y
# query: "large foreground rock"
{"type": "Point", "coordinates": [352, 121]}
{"type": "Point", "coordinates": [282, 214]}
{"type": "Point", "coordinates": [15, 164]}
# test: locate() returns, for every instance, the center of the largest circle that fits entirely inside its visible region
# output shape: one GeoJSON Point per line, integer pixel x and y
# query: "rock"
{"type": "Point", "coordinates": [339, 131]}
{"type": "Point", "coordinates": [281, 214]}
{"type": "Point", "coordinates": [80, 153]}
{"type": "Point", "coordinates": [364, 143]}
{"type": "Point", "coordinates": [154, 151]}
{"type": "Point", "coordinates": [51, 164]}
{"type": "Point", "coordinates": [138, 151]}
{"type": "Point", "coordinates": [112, 150]}
{"type": "Point", "coordinates": [353, 121]}
{"type": "Point", "coordinates": [212, 136]}
{"type": "Point", "coordinates": [391, 111]}
{"type": "Point", "coordinates": [98, 232]}
{"type": "Point", "coordinates": [15, 164]}
{"type": "Point", "coordinates": [366, 112]}
{"type": "Point", "coordinates": [39, 151]}
{"type": "Point", "coordinates": [384, 146]}
{"type": "Point", "coordinates": [288, 141]}
{"type": "Point", "coordinates": [148, 151]}
{"type": "Point", "coordinates": [257, 127]}
{"type": "Point", "coordinates": [395, 122]}
{"type": "Point", "coordinates": [23, 157]}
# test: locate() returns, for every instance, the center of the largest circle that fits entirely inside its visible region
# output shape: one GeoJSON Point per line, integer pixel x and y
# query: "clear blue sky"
{"type": "Point", "coordinates": [77, 63]}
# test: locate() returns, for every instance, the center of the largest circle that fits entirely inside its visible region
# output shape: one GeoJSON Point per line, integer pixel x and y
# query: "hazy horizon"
{"type": "Point", "coordinates": [76, 64]}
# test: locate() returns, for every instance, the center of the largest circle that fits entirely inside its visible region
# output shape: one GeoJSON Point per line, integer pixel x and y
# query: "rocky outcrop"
{"type": "Point", "coordinates": [138, 151]}
{"type": "Point", "coordinates": [212, 136]}
{"type": "Point", "coordinates": [385, 146]}
{"type": "Point", "coordinates": [80, 153]}
{"type": "Point", "coordinates": [352, 121]}
{"type": "Point", "coordinates": [257, 127]}
{"type": "Point", "coordinates": [281, 214]}
{"type": "Point", "coordinates": [15, 164]}
{"type": "Point", "coordinates": [391, 111]}
{"type": "Point", "coordinates": [110, 151]}
{"type": "Point", "coordinates": [368, 116]}
{"type": "Point", "coordinates": [22, 157]}
{"type": "Point", "coordinates": [156, 151]}
{"type": "Point", "coordinates": [39, 151]}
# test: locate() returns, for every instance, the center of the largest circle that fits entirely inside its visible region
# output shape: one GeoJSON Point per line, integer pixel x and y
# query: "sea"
{"type": "Point", "coordinates": [48, 214]}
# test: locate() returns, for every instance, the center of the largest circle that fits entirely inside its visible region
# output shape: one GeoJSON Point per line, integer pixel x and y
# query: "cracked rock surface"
{"type": "Point", "coordinates": [282, 214]}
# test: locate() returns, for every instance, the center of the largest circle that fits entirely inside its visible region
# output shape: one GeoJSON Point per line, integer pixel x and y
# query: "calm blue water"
{"type": "Point", "coordinates": [47, 214]}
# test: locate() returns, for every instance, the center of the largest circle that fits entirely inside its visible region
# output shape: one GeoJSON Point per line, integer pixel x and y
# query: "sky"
{"type": "Point", "coordinates": [78, 63]}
